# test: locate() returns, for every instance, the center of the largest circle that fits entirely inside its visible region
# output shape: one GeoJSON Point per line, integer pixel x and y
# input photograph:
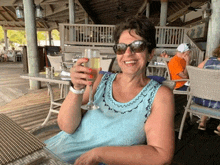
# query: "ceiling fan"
{"type": "Point", "coordinates": [193, 8]}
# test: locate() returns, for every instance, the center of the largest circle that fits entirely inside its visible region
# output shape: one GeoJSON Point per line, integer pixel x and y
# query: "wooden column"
{"type": "Point", "coordinates": [32, 49]}
{"type": "Point", "coordinates": [163, 12]}
{"type": "Point", "coordinates": [86, 18]}
{"type": "Point", "coordinates": [6, 39]}
{"type": "Point", "coordinates": [213, 39]}
{"type": "Point", "coordinates": [50, 37]}
{"type": "Point", "coordinates": [72, 19]}
{"type": "Point", "coordinates": [148, 9]}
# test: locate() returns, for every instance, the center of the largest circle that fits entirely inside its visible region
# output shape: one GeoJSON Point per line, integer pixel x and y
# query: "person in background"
{"type": "Point", "coordinates": [13, 53]}
{"type": "Point", "coordinates": [164, 54]}
{"type": "Point", "coordinates": [4, 54]}
{"type": "Point", "coordinates": [177, 65]}
{"type": "Point", "coordinates": [135, 120]}
{"type": "Point", "coordinates": [209, 63]}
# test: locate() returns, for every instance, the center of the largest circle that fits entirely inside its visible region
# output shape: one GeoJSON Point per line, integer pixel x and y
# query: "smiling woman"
{"type": "Point", "coordinates": [133, 110]}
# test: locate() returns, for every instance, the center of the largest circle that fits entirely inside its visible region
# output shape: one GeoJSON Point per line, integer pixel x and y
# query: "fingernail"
{"type": "Point", "coordinates": [90, 76]}
{"type": "Point", "coordinates": [90, 70]}
{"type": "Point", "coordinates": [86, 59]}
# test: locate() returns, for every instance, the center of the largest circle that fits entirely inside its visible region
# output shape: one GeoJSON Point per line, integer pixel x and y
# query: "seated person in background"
{"type": "Point", "coordinates": [164, 54]}
{"type": "Point", "coordinates": [134, 123]}
{"type": "Point", "coordinates": [177, 66]}
{"type": "Point", "coordinates": [209, 63]}
{"type": "Point", "coordinates": [4, 54]}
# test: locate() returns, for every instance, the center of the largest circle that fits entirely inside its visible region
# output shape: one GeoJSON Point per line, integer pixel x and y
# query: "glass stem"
{"type": "Point", "coordinates": [90, 94]}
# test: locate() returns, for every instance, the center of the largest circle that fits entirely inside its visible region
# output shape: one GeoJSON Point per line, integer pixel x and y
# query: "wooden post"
{"type": "Point", "coordinates": [32, 50]}
{"type": "Point", "coordinates": [163, 12]}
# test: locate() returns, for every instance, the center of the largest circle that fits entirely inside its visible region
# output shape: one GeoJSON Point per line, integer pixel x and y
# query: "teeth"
{"type": "Point", "coordinates": [130, 62]}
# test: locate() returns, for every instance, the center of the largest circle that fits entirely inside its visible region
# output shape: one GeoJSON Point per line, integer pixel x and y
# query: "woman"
{"type": "Point", "coordinates": [135, 121]}
{"type": "Point", "coordinates": [209, 63]}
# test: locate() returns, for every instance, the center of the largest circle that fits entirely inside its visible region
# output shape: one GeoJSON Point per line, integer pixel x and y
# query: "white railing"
{"type": "Point", "coordinates": [169, 36]}
{"type": "Point", "coordinates": [91, 34]}
{"type": "Point", "coordinates": [197, 54]}
{"type": "Point", "coordinates": [86, 34]}
{"type": "Point", "coordinates": [78, 36]}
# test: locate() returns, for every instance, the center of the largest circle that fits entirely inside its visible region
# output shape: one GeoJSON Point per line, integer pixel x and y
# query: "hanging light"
{"type": "Point", "coordinates": [19, 12]}
{"type": "Point", "coordinates": [39, 11]}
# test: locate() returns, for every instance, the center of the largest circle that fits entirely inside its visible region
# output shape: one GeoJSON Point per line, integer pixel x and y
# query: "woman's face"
{"type": "Point", "coordinates": [131, 62]}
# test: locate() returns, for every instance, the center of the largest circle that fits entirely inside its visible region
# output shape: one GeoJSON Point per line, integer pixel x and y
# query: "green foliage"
{"type": "Point", "coordinates": [19, 36]}
{"type": "Point", "coordinates": [56, 35]}
{"type": "Point", "coordinates": [1, 35]}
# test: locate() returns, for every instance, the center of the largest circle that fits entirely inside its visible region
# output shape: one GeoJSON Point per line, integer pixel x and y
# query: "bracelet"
{"type": "Point", "coordinates": [78, 92]}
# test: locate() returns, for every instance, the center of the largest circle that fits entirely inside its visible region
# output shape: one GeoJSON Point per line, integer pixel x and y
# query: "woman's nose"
{"type": "Point", "coordinates": [128, 51]}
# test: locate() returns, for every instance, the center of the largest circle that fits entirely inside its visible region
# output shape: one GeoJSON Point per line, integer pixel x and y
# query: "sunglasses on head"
{"type": "Point", "coordinates": [136, 47]}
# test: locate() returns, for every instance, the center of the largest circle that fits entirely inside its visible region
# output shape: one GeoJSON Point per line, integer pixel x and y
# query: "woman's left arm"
{"type": "Point", "coordinates": [159, 130]}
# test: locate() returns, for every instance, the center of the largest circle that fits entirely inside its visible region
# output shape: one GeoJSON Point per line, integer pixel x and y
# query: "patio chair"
{"type": "Point", "coordinates": [55, 104]}
{"type": "Point", "coordinates": [167, 76]}
{"type": "Point", "coordinates": [203, 84]}
{"type": "Point", "coordinates": [105, 63]}
{"type": "Point", "coordinates": [56, 62]}
{"type": "Point", "coordinates": [114, 66]}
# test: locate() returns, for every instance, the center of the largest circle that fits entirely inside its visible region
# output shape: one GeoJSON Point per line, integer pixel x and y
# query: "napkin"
{"type": "Point", "coordinates": [65, 73]}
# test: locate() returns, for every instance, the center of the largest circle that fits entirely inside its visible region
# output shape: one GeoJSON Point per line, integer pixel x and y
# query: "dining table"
{"type": "Point", "coordinates": [56, 78]}
{"type": "Point", "coordinates": [20, 147]}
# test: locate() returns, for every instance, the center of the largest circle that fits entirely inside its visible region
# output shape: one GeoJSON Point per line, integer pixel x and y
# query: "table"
{"type": "Point", "coordinates": [20, 147]}
{"type": "Point", "coordinates": [49, 79]}
{"type": "Point", "coordinates": [54, 104]}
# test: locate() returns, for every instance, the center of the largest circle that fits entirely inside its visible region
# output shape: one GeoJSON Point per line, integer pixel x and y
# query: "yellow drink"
{"type": "Point", "coordinates": [94, 63]}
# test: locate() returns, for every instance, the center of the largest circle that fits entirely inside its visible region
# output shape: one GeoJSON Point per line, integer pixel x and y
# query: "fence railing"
{"type": "Point", "coordinates": [197, 54]}
{"type": "Point", "coordinates": [169, 36]}
{"type": "Point", "coordinates": [102, 36]}
{"type": "Point", "coordinates": [90, 34]}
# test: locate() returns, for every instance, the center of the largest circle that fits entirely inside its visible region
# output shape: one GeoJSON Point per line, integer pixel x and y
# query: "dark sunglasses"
{"type": "Point", "coordinates": [136, 47]}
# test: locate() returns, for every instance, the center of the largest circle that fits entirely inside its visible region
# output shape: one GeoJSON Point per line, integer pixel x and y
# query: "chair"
{"type": "Point", "coordinates": [114, 67]}
{"type": "Point", "coordinates": [167, 76]}
{"type": "Point", "coordinates": [56, 62]}
{"type": "Point", "coordinates": [203, 84]}
{"type": "Point", "coordinates": [54, 104]}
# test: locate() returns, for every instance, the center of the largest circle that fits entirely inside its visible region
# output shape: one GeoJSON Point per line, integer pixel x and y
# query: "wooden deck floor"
{"type": "Point", "coordinates": [195, 148]}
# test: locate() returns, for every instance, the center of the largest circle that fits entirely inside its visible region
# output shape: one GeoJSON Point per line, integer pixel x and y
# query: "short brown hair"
{"type": "Point", "coordinates": [142, 27]}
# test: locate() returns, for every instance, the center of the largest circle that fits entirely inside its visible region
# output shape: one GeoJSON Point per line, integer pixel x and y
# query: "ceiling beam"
{"type": "Point", "coordinates": [8, 12]}
{"type": "Point", "coordinates": [183, 11]}
{"type": "Point", "coordinates": [142, 8]}
{"type": "Point", "coordinates": [86, 7]}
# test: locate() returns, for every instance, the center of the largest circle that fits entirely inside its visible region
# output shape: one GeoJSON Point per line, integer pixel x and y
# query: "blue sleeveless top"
{"type": "Point", "coordinates": [113, 124]}
{"type": "Point", "coordinates": [211, 63]}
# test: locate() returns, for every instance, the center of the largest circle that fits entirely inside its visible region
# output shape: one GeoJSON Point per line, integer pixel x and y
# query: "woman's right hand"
{"type": "Point", "coordinates": [79, 74]}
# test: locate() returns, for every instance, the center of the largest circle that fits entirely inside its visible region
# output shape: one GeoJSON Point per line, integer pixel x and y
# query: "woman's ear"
{"type": "Point", "coordinates": [151, 55]}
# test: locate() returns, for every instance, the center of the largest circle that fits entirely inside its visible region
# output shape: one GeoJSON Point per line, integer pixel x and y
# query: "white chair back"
{"type": "Point", "coordinates": [105, 63]}
{"type": "Point", "coordinates": [204, 83]}
{"type": "Point", "coordinates": [68, 56]}
{"type": "Point", "coordinates": [56, 62]}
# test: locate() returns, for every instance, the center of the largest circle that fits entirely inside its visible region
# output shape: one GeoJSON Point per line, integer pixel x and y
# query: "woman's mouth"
{"type": "Point", "coordinates": [130, 63]}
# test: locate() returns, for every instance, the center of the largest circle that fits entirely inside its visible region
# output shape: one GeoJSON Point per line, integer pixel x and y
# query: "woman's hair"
{"type": "Point", "coordinates": [142, 27]}
{"type": "Point", "coordinates": [216, 52]}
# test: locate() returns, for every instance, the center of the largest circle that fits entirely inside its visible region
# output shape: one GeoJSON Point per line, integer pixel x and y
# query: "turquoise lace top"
{"type": "Point", "coordinates": [113, 124]}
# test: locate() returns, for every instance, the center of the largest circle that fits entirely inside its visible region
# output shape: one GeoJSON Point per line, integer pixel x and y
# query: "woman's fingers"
{"type": "Point", "coordinates": [79, 74]}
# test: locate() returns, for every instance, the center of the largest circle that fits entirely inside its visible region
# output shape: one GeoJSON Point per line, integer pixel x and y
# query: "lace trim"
{"type": "Point", "coordinates": [107, 80]}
